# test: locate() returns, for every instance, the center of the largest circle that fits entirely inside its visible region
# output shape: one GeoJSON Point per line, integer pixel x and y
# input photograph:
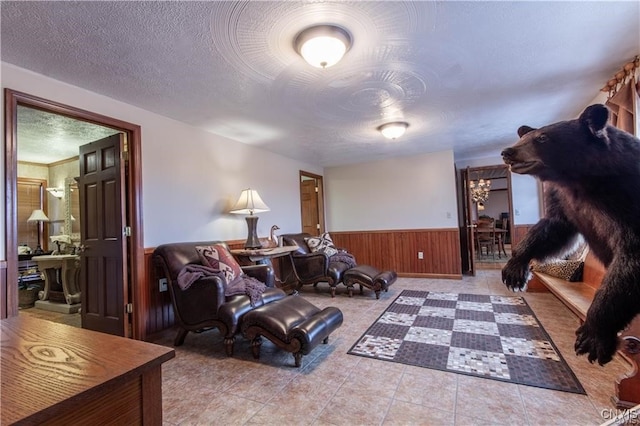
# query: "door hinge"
{"type": "Point", "coordinates": [317, 189]}
{"type": "Point", "coordinates": [127, 231]}
{"type": "Point", "coordinates": [125, 155]}
{"type": "Point", "coordinates": [129, 308]}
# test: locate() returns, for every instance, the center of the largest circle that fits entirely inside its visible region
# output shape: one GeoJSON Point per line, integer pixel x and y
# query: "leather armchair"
{"type": "Point", "coordinates": [312, 268]}
{"type": "Point", "coordinates": [204, 303]}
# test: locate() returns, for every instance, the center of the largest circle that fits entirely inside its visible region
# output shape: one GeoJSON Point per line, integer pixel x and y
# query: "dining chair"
{"type": "Point", "coordinates": [486, 237]}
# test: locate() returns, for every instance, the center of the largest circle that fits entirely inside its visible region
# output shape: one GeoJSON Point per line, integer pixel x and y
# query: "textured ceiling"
{"type": "Point", "coordinates": [45, 138]}
{"type": "Point", "coordinates": [465, 75]}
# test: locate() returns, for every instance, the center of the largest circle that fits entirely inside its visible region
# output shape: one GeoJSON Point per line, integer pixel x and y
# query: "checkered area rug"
{"type": "Point", "coordinates": [496, 337]}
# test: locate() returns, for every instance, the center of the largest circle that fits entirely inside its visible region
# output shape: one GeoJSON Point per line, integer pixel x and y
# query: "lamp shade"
{"type": "Point", "coordinates": [249, 203]}
{"type": "Point", "coordinates": [323, 45]}
{"type": "Point", "coordinates": [393, 130]}
{"type": "Point", "coordinates": [38, 216]}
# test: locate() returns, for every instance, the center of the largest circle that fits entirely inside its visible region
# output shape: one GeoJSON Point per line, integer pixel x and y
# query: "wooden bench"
{"type": "Point", "coordinates": [577, 296]}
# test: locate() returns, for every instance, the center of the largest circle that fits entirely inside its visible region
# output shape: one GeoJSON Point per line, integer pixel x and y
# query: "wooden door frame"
{"type": "Point", "coordinates": [320, 184]}
{"type": "Point", "coordinates": [136, 266]}
{"type": "Point", "coordinates": [469, 232]}
{"type": "Point", "coordinates": [467, 196]}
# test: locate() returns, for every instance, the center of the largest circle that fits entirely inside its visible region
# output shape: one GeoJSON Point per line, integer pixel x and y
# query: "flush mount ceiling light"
{"type": "Point", "coordinates": [323, 45]}
{"type": "Point", "coordinates": [393, 130]}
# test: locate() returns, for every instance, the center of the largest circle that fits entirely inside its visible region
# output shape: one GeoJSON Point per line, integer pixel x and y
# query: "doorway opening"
{"type": "Point", "coordinates": [131, 168]}
{"type": "Point", "coordinates": [491, 204]}
{"type": "Point", "coordinates": [311, 203]}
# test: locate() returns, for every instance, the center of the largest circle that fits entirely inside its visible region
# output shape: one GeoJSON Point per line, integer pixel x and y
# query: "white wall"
{"type": "Point", "coordinates": [496, 204]}
{"type": "Point", "coordinates": [527, 199]}
{"type": "Point", "coordinates": [189, 177]}
{"type": "Point", "coordinates": [415, 192]}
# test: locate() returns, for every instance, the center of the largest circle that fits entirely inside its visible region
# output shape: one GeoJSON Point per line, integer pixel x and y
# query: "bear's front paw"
{"type": "Point", "coordinates": [515, 275]}
{"type": "Point", "coordinates": [598, 347]}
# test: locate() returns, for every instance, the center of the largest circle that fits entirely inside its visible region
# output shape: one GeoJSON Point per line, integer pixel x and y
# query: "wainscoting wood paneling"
{"type": "Point", "coordinates": [519, 231]}
{"type": "Point", "coordinates": [160, 311]}
{"type": "Point", "coordinates": [398, 250]}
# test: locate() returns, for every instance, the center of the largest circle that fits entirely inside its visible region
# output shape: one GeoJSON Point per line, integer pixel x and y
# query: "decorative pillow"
{"type": "Point", "coordinates": [323, 243]}
{"type": "Point", "coordinates": [579, 252]}
{"type": "Point", "coordinates": [570, 270]}
{"type": "Point", "coordinates": [218, 258]}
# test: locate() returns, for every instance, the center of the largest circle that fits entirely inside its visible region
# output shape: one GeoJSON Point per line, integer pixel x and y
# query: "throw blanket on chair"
{"type": "Point", "coordinates": [244, 284]}
{"type": "Point", "coordinates": [344, 257]}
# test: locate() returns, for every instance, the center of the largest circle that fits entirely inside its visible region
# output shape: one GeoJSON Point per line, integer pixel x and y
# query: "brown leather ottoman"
{"type": "Point", "coordinates": [293, 324]}
{"type": "Point", "coordinates": [370, 277]}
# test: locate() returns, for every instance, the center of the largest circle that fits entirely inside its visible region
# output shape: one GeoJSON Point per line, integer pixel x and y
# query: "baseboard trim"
{"type": "Point", "coordinates": [439, 276]}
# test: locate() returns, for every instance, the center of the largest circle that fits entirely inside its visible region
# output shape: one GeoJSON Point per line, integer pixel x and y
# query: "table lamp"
{"type": "Point", "coordinates": [38, 216]}
{"type": "Point", "coordinates": [250, 203]}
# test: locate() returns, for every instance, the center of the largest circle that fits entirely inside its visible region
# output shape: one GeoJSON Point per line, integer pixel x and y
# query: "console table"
{"type": "Point", "coordinates": [265, 256]}
{"type": "Point", "coordinates": [60, 271]}
{"type": "Point", "coordinates": [58, 374]}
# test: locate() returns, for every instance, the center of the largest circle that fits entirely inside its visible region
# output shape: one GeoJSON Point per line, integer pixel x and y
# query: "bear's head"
{"type": "Point", "coordinates": [582, 147]}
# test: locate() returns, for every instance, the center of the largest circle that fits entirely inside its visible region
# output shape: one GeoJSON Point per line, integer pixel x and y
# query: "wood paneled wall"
{"type": "Point", "coordinates": [398, 250]}
{"type": "Point", "coordinates": [160, 311]}
{"type": "Point", "coordinates": [519, 231]}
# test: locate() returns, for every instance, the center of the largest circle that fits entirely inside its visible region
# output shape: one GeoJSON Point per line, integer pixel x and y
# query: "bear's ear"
{"type": "Point", "coordinates": [523, 130]}
{"type": "Point", "coordinates": [595, 119]}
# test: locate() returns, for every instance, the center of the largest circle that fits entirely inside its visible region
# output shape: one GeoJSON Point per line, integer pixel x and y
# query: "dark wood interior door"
{"type": "Point", "coordinates": [102, 218]}
{"type": "Point", "coordinates": [309, 207]}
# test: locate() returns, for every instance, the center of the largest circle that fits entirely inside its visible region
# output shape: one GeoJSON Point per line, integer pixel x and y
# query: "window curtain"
{"type": "Point", "coordinates": [624, 101]}
{"type": "Point", "coordinates": [623, 105]}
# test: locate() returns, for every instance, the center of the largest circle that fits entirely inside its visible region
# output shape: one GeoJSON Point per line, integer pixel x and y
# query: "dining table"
{"type": "Point", "coordinates": [500, 237]}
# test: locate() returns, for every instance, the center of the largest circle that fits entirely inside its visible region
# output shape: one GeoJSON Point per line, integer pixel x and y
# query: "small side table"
{"type": "Point", "coordinates": [60, 270]}
{"type": "Point", "coordinates": [264, 256]}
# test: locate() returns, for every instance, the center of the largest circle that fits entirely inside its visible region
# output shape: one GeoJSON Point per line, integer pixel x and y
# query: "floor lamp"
{"type": "Point", "coordinates": [250, 203]}
{"type": "Point", "coordinates": [38, 216]}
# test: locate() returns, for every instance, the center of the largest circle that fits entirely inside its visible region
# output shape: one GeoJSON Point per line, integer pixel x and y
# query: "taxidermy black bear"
{"type": "Point", "coordinates": [591, 176]}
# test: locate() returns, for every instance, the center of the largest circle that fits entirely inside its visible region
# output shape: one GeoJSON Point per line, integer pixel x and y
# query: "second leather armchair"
{"type": "Point", "coordinates": [312, 268]}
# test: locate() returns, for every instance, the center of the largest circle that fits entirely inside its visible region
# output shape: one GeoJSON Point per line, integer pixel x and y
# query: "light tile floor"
{"type": "Point", "coordinates": [73, 320]}
{"type": "Point", "coordinates": [203, 386]}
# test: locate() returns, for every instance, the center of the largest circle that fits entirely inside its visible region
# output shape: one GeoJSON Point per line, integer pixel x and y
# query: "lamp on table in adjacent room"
{"type": "Point", "coordinates": [38, 216]}
{"type": "Point", "coordinates": [250, 203]}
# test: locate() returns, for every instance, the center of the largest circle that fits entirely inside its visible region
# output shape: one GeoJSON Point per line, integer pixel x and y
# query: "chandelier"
{"type": "Point", "coordinates": [480, 190]}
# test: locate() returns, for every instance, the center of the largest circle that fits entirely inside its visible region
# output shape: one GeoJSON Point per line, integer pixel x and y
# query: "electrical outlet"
{"type": "Point", "coordinates": [420, 255]}
{"type": "Point", "coordinates": [517, 212]}
{"type": "Point", "coordinates": [163, 284]}
{"type": "Point", "coordinates": [448, 215]}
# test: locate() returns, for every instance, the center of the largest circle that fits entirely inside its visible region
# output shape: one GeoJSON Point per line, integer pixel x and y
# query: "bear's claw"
{"type": "Point", "coordinates": [599, 348]}
{"type": "Point", "coordinates": [516, 275]}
